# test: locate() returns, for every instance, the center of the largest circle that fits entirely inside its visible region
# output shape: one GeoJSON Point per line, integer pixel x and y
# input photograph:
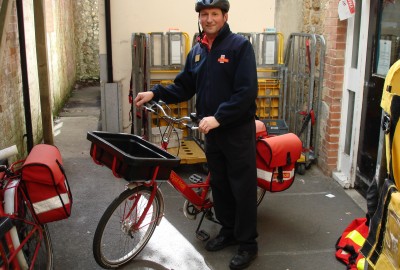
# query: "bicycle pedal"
{"type": "Point", "coordinates": [202, 235]}
{"type": "Point", "coordinates": [195, 178]}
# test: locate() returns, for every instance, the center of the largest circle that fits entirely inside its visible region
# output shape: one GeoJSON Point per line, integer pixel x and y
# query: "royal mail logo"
{"type": "Point", "coordinates": [222, 59]}
{"type": "Point", "coordinates": [352, 8]}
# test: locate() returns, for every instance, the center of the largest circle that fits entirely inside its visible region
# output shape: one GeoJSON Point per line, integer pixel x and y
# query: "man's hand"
{"type": "Point", "coordinates": [208, 123]}
{"type": "Point", "coordinates": [143, 97]}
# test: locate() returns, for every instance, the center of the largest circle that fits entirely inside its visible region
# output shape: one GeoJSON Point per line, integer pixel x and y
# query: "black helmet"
{"type": "Point", "coordinates": [222, 4]}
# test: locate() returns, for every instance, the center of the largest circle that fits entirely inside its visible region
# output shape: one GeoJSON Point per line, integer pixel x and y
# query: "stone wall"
{"type": "Point", "coordinates": [86, 22]}
{"type": "Point", "coordinates": [61, 50]}
{"type": "Point", "coordinates": [72, 44]}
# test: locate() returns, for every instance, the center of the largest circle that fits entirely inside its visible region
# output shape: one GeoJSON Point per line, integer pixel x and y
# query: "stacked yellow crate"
{"type": "Point", "coordinates": [268, 100]}
{"type": "Point", "coordinates": [268, 48]}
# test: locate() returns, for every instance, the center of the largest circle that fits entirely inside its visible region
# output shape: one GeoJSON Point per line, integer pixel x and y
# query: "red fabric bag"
{"type": "Point", "coordinates": [46, 184]}
{"type": "Point", "coordinates": [276, 159]}
{"type": "Point", "coordinates": [349, 244]}
{"type": "Point", "coordinates": [261, 129]}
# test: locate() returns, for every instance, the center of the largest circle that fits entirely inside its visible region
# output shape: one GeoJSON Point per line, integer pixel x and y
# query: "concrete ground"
{"type": "Point", "coordinates": [298, 228]}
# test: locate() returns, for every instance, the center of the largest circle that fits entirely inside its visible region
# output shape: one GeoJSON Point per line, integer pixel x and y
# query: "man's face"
{"type": "Point", "coordinates": [212, 20]}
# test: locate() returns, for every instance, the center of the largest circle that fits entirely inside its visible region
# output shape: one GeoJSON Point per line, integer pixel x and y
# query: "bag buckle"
{"type": "Point", "coordinates": [386, 123]}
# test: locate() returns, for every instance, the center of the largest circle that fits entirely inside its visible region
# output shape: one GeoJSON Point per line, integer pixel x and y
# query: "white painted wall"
{"type": "Point", "coordinates": [134, 16]}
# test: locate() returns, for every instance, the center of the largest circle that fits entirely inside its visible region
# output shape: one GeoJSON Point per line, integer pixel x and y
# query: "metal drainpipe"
{"type": "Point", "coordinates": [24, 72]}
{"type": "Point", "coordinates": [109, 41]}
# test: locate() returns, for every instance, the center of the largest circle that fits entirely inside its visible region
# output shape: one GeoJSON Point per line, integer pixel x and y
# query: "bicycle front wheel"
{"type": "Point", "coordinates": [119, 236]}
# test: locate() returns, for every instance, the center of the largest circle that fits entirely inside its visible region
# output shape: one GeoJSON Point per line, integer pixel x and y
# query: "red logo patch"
{"type": "Point", "coordinates": [222, 59]}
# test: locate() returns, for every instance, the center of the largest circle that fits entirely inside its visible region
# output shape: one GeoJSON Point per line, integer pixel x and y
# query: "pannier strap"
{"type": "Point", "coordinates": [280, 175]}
{"type": "Point", "coordinates": [288, 159]}
{"type": "Point", "coordinates": [68, 213]}
{"type": "Point", "coordinates": [280, 168]}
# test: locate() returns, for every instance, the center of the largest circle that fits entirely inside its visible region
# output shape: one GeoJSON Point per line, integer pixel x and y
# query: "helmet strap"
{"type": "Point", "coordinates": [201, 33]}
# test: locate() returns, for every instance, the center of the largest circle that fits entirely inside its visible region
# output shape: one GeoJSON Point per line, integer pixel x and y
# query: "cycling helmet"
{"type": "Point", "coordinates": [222, 4]}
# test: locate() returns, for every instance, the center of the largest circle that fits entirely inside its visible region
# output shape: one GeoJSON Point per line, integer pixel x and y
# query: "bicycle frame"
{"type": "Point", "coordinates": [7, 260]}
{"type": "Point", "coordinates": [187, 190]}
{"type": "Point", "coordinates": [199, 200]}
{"type": "Point", "coordinates": [8, 208]}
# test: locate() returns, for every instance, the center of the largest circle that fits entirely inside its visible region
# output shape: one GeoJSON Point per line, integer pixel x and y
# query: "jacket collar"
{"type": "Point", "coordinates": [202, 38]}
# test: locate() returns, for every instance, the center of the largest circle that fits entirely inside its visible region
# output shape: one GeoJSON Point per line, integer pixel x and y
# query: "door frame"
{"type": "Point", "coordinates": [354, 81]}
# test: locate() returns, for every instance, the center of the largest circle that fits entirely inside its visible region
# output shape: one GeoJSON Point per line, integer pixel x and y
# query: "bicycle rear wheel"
{"type": "Point", "coordinates": [260, 195]}
{"type": "Point", "coordinates": [39, 239]}
{"type": "Point", "coordinates": [117, 239]}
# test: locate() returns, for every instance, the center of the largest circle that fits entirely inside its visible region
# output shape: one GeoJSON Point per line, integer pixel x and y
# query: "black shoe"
{"type": "Point", "coordinates": [242, 259]}
{"type": "Point", "coordinates": [220, 242]}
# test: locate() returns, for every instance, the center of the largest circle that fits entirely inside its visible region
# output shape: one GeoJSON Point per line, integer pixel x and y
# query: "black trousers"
{"type": "Point", "coordinates": [231, 158]}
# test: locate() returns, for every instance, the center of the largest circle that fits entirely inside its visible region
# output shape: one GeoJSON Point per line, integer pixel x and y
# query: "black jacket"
{"type": "Point", "coordinates": [224, 80]}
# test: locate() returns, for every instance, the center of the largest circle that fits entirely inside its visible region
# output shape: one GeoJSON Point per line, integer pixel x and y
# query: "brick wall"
{"type": "Point", "coordinates": [321, 17]}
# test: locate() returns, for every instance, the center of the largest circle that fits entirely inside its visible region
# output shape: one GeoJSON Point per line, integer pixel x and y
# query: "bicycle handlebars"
{"type": "Point", "coordinates": [8, 152]}
{"type": "Point", "coordinates": [170, 119]}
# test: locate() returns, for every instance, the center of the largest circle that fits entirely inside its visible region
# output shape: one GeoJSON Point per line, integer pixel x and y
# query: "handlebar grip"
{"type": "Point", "coordinates": [151, 102]}
{"type": "Point", "coordinates": [195, 118]}
{"type": "Point", "coordinates": [8, 152]}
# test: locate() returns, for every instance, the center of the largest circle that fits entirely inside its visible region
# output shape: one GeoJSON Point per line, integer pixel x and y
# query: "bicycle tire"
{"type": "Point", "coordinates": [44, 258]}
{"type": "Point", "coordinates": [260, 195]}
{"type": "Point", "coordinates": [114, 242]}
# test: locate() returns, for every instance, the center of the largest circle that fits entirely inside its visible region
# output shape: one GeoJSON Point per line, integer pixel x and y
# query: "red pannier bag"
{"type": "Point", "coordinates": [261, 129]}
{"type": "Point", "coordinates": [276, 160]}
{"type": "Point", "coordinates": [46, 184]}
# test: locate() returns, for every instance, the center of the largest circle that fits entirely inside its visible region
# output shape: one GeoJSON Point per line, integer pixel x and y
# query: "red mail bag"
{"type": "Point", "coordinates": [46, 184]}
{"type": "Point", "coordinates": [276, 160]}
{"type": "Point", "coordinates": [349, 243]}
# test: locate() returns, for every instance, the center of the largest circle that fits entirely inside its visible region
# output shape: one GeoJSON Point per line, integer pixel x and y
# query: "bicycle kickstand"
{"type": "Point", "coordinates": [201, 234]}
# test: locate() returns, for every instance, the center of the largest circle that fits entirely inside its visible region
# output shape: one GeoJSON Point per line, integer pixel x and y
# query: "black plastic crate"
{"type": "Point", "coordinates": [131, 157]}
{"type": "Point", "coordinates": [276, 126]}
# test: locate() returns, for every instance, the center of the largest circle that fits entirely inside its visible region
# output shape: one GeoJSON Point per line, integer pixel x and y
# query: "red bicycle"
{"type": "Point", "coordinates": [130, 220]}
{"type": "Point", "coordinates": [24, 242]}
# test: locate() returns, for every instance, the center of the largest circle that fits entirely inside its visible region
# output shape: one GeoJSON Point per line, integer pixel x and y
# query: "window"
{"type": "Point", "coordinates": [388, 37]}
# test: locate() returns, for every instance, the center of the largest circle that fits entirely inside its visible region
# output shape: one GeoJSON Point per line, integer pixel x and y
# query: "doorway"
{"type": "Point", "coordinates": [383, 50]}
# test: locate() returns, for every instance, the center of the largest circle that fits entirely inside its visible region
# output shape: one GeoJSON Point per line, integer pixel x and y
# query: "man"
{"type": "Point", "coordinates": [221, 71]}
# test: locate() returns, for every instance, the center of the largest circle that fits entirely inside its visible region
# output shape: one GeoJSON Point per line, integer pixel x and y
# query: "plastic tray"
{"type": "Point", "coordinates": [130, 157]}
